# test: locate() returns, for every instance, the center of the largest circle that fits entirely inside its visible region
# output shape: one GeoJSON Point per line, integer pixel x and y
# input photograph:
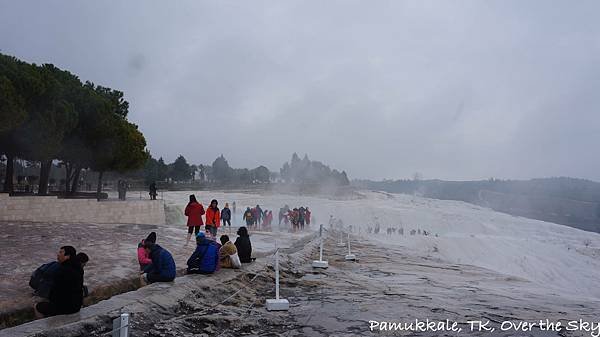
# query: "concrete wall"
{"type": "Point", "coordinates": [52, 209]}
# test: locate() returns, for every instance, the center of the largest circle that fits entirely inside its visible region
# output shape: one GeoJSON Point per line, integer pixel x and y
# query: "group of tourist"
{"type": "Point", "coordinates": [60, 283]}
{"type": "Point", "coordinates": [212, 217]}
{"type": "Point", "coordinates": [255, 217]}
{"type": "Point", "coordinates": [158, 265]}
{"type": "Point", "coordinates": [298, 217]}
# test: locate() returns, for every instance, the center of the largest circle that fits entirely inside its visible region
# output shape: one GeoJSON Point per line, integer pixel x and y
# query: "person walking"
{"type": "Point", "coordinates": [260, 215]}
{"type": "Point", "coordinates": [194, 211]}
{"type": "Point", "coordinates": [153, 191]}
{"type": "Point", "coordinates": [213, 218]}
{"type": "Point", "coordinates": [248, 217]}
{"type": "Point", "coordinates": [226, 215]}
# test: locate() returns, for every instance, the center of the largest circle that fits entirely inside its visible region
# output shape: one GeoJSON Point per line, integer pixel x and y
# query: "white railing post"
{"type": "Point", "coordinates": [121, 326]}
{"type": "Point", "coordinates": [320, 263]}
{"type": "Point", "coordinates": [350, 256]}
{"type": "Point", "coordinates": [277, 273]}
{"type": "Point", "coordinates": [277, 304]}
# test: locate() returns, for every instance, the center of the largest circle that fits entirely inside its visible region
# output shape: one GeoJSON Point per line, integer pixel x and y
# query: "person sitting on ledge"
{"type": "Point", "coordinates": [66, 295]}
{"type": "Point", "coordinates": [143, 256]}
{"type": "Point", "coordinates": [43, 277]}
{"type": "Point", "coordinates": [243, 245]}
{"type": "Point", "coordinates": [205, 258]}
{"type": "Point", "coordinates": [163, 267]}
{"type": "Point", "coordinates": [228, 257]}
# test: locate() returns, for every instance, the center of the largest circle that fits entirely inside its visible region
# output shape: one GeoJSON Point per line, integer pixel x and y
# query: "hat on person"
{"type": "Point", "coordinates": [200, 235]}
{"type": "Point", "coordinates": [151, 237]}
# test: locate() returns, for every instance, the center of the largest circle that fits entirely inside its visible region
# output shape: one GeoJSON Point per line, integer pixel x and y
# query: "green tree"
{"type": "Point", "coordinates": [12, 106]}
{"type": "Point", "coordinates": [221, 170]}
{"type": "Point", "coordinates": [180, 169]}
{"type": "Point", "coordinates": [163, 170]}
{"type": "Point", "coordinates": [52, 117]}
{"type": "Point", "coordinates": [124, 149]}
{"type": "Point", "coordinates": [19, 84]}
{"type": "Point", "coordinates": [261, 174]}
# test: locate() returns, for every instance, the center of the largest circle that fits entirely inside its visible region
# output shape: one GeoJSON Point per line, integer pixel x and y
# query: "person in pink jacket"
{"type": "Point", "coordinates": [143, 257]}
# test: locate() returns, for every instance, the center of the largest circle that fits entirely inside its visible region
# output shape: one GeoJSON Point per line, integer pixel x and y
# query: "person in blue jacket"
{"type": "Point", "coordinates": [205, 258]}
{"type": "Point", "coordinates": [163, 267]}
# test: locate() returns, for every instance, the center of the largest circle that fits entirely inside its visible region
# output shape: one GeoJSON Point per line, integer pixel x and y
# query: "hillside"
{"type": "Point", "coordinates": [568, 201]}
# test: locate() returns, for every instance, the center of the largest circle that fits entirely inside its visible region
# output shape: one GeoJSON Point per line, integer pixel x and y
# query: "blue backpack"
{"type": "Point", "coordinates": [42, 278]}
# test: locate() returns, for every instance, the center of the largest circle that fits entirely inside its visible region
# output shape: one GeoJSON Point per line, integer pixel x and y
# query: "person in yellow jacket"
{"type": "Point", "coordinates": [228, 253]}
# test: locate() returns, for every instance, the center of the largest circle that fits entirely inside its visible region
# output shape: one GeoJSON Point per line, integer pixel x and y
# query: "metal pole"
{"type": "Point", "coordinates": [321, 251]}
{"type": "Point", "coordinates": [276, 272]}
{"type": "Point", "coordinates": [349, 244]}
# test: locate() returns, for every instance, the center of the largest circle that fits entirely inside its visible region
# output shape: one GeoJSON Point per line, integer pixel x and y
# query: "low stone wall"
{"type": "Point", "coordinates": [52, 209]}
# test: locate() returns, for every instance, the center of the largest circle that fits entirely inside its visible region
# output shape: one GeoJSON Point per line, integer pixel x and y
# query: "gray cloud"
{"type": "Point", "coordinates": [455, 90]}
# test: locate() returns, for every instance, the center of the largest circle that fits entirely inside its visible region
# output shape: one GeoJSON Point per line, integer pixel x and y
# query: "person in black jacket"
{"type": "Point", "coordinates": [226, 215]}
{"type": "Point", "coordinates": [42, 278]}
{"type": "Point", "coordinates": [243, 245]}
{"type": "Point", "coordinates": [66, 295]}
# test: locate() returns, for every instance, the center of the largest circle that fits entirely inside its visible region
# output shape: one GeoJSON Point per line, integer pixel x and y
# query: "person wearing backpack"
{"type": "Point", "coordinates": [248, 217]}
{"type": "Point", "coordinates": [42, 279]}
{"type": "Point", "coordinates": [205, 258]}
{"type": "Point", "coordinates": [66, 293]}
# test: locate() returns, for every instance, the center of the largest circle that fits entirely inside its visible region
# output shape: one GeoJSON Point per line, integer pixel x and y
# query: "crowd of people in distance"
{"type": "Point", "coordinates": [256, 218]}
{"type": "Point", "coordinates": [297, 217]}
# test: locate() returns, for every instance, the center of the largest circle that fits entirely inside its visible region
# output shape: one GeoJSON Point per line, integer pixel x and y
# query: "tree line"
{"type": "Point", "coordinates": [48, 114]}
{"type": "Point", "coordinates": [299, 171]}
{"type": "Point", "coordinates": [218, 173]}
{"type": "Point", "coordinates": [306, 171]}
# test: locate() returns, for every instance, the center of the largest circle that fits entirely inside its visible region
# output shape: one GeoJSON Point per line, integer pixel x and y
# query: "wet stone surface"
{"type": "Point", "coordinates": [113, 266]}
{"type": "Point", "coordinates": [385, 284]}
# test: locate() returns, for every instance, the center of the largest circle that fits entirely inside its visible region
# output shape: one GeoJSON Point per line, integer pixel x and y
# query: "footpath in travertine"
{"type": "Point", "coordinates": [112, 248]}
{"type": "Point", "coordinates": [385, 284]}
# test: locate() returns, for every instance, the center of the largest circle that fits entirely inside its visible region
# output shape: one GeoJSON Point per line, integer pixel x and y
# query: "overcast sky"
{"type": "Point", "coordinates": [451, 89]}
